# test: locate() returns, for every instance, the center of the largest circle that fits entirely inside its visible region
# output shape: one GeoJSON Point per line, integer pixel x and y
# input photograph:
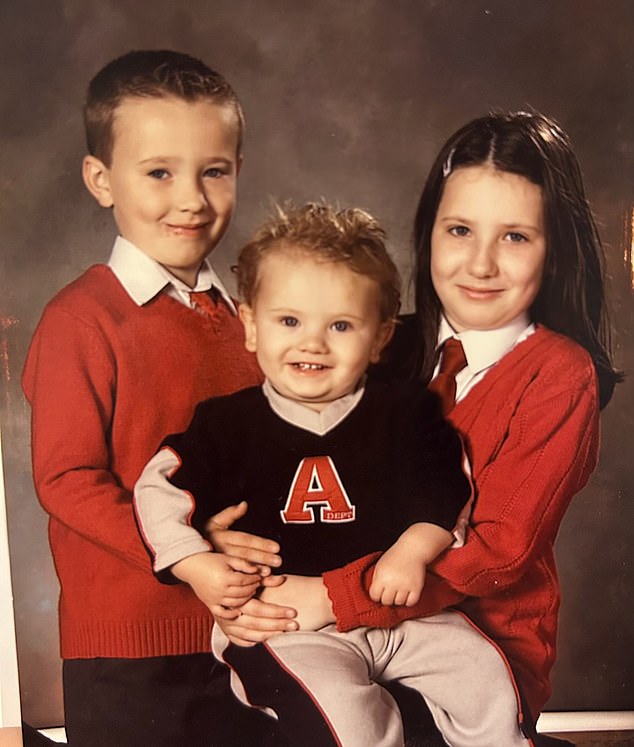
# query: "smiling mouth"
{"type": "Point", "coordinates": [480, 292]}
{"type": "Point", "coordinates": [309, 366]}
{"type": "Point", "coordinates": [187, 229]}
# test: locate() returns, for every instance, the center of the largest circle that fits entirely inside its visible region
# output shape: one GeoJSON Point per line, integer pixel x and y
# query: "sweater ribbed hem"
{"type": "Point", "coordinates": [136, 640]}
{"type": "Point", "coordinates": [349, 602]}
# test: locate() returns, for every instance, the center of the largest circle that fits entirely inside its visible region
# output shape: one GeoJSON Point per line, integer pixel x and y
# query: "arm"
{"type": "Point", "coordinates": [69, 380]}
{"type": "Point", "coordinates": [163, 512]}
{"type": "Point", "coordinates": [548, 454]}
{"type": "Point", "coordinates": [429, 454]}
{"type": "Point", "coordinates": [399, 575]}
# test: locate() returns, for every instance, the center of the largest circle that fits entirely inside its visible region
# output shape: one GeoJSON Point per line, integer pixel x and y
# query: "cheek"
{"type": "Point", "coordinates": [439, 277]}
{"type": "Point", "coordinates": [440, 264]}
{"type": "Point", "coordinates": [530, 278]}
{"type": "Point", "coordinates": [222, 197]}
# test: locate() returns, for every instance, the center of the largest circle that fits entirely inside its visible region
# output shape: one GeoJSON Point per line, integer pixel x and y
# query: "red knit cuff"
{"type": "Point", "coordinates": [347, 591]}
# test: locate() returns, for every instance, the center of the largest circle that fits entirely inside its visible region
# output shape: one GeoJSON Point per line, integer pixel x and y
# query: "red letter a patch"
{"type": "Point", "coordinates": [316, 482]}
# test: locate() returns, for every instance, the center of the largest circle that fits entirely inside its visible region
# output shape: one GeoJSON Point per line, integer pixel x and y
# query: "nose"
{"type": "Point", "coordinates": [190, 195]}
{"type": "Point", "coordinates": [313, 341]}
{"type": "Point", "coordinates": [482, 259]}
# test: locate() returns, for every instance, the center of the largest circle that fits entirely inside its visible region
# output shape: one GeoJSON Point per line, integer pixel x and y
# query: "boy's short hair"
{"type": "Point", "coordinates": [326, 234]}
{"type": "Point", "coordinates": [150, 74]}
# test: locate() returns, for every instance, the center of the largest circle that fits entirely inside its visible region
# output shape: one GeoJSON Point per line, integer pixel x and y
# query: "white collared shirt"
{"type": "Point", "coordinates": [483, 349]}
{"type": "Point", "coordinates": [143, 277]}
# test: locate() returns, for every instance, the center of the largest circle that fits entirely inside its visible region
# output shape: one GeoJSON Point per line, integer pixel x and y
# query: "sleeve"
{"type": "Point", "coordinates": [548, 455]}
{"type": "Point", "coordinates": [69, 380]}
{"type": "Point", "coordinates": [164, 514]}
{"type": "Point", "coordinates": [434, 477]}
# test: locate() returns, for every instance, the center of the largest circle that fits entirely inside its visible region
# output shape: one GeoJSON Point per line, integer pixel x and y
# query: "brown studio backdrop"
{"type": "Point", "coordinates": [349, 101]}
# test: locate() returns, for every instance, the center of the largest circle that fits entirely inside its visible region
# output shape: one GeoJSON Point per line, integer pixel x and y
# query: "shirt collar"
{"type": "Point", "coordinates": [484, 348]}
{"type": "Point", "coordinates": [143, 277]}
{"type": "Point", "coordinates": [311, 420]}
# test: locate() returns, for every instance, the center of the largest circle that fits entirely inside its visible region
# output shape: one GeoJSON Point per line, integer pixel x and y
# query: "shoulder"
{"type": "Point", "coordinates": [551, 352]}
{"type": "Point", "coordinates": [239, 408]}
{"type": "Point", "coordinates": [95, 293]}
{"type": "Point", "coordinates": [408, 400]}
{"type": "Point", "coordinates": [98, 280]}
{"type": "Point", "coordinates": [546, 370]}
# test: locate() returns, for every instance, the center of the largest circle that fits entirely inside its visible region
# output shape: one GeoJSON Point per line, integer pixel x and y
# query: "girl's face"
{"type": "Point", "coordinates": [487, 247]}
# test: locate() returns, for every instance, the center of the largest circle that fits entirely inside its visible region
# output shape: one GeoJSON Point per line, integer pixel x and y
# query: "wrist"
{"type": "Point", "coordinates": [186, 568]}
{"type": "Point", "coordinates": [424, 541]}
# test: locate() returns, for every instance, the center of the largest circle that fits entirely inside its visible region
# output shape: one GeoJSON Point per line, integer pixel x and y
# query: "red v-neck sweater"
{"type": "Point", "coordinates": [531, 429]}
{"type": "Point", "coordinates": [107, 381]}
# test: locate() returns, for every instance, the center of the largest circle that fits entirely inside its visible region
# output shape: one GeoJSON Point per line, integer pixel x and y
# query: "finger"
{"type": "Point", "coordinates": [235, 577]}
{"type": "Point", "coordinates": [412, 599]}
{"type": "Point", "coordinates": [272, 581]}
{"type": "Point", "coordinates": [400, 598]}
{"type": "Point", "coordinates": [236, 602]}
{"type": "Point", "coordinates": [260, 551]}
{"type": "Point", "coordinates": [243, 566]}
{"type": "Point", "coordinates": [238, 595]}
{"type": "Point", "coordinates": [252, 628]}
{"type": "Point", "coordinates": [376, 592]}
{"type": "Point", "coordinates": [256, 608]}
{"type": "Point", "coordinates": [224, 613]}
{"type": "Point", "coordinates": [227, 516]}
{"type": "Point", "coordinates": [387, 598]}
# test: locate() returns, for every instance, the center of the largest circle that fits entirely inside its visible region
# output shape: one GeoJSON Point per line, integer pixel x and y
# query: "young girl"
{"type": "Point", "coordinates": [509, 262]}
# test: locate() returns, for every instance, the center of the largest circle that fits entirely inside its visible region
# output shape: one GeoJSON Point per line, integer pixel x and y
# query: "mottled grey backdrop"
{"type": "Point", "coordinates": [347, 99]}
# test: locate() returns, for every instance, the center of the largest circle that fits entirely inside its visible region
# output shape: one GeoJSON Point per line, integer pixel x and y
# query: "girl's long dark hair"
{"type": "Point", "coordinates": [571, 298]}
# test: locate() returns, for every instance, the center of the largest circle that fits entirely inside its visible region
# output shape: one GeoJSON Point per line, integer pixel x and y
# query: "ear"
{"type": "Point", "coordinates": [97, 180]}
{"type": "Point", "coordinates": [247, 318]}
{"type": "Point", "coordinates": [239, 163]}
{"type": "Point", "coordinates": [383, 336]}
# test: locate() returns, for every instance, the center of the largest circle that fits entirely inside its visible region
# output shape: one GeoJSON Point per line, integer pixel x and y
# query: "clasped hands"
{"type": "Point", "coordinates": [237, 584]}
{"type": "Point", "coordinates": [251, 604]}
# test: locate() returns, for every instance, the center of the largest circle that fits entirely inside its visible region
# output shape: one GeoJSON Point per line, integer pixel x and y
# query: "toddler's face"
{"type": "Point", "coordinates": [172, 178]}
{"type": "Point", "coordinates": [488, 247]}
{"type": "Point", "coordinates": [314, 326]}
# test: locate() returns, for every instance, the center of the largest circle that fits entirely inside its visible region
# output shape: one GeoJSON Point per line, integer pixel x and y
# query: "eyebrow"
{"type": "Point", "coordinates": [296, 312]}
{"type": "Point", "coordinates": [170, 159]}
{"type": "Point", "coordinates": [511, 225]}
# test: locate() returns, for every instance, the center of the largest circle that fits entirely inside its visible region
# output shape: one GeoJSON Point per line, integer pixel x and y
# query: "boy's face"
{"type": "Point", "coordinates": [314, 326]}
{"type": "Point", "coordinates": [172, 178]}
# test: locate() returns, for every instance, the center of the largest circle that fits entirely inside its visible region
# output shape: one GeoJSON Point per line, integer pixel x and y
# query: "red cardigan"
{"type": "Point", "coordinates": [107, 380]}
{"type": "Point", "coordinates": [531, 428]}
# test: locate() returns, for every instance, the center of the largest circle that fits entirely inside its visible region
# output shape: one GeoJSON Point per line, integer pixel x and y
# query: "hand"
{"type": "Point", "coordinates": [249, 547]}
{"type": "Point", "coordinates": [308, 596]}
{"type": "Point", "coordinates": [399, 575]}
{"type": "Point", "coordinates": [397, 580]}
{"type": "Point", "coordinates": [255, 622]}
{"type": "Point", "coordinates": [218, 579]}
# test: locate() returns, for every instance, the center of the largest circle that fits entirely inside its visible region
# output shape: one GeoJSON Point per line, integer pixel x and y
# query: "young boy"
{"type": "Point", "coordinates": [119, 359]}
{"type": "Point", "coordinates": [333, 467]}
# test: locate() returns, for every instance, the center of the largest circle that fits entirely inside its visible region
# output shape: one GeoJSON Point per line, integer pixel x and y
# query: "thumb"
{"type": "Point", "coordinates": [225, 518]}
{"type": "Point", "coordinates": [273, 580]}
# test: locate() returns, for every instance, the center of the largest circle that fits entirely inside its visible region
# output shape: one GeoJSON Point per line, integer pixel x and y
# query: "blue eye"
{"type": "Point", "coordinates": [289, 321]}
{"type": "Point", "coordinates": [516, 237]}
{"type": "Point", "coordinates": [341, 326]}
{"type": "Point", "coordinates": [159, 173]}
